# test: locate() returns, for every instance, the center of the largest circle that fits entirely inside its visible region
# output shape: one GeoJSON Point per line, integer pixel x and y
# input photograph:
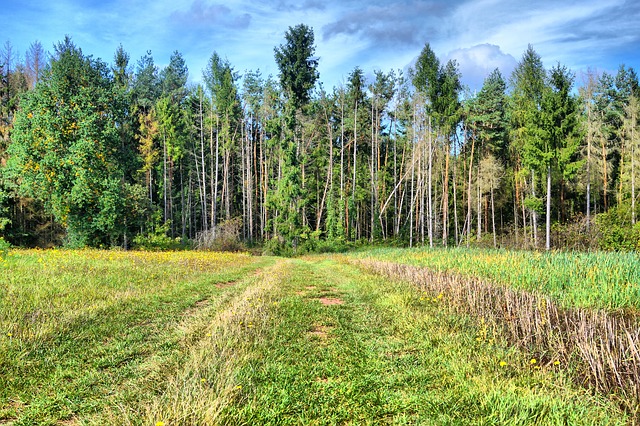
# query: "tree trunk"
{"type": "Point", "coordinates": [203, 189]}
{"type": "Point", "coordinates": [534, 214]}
{"type": "Point", "coordinates": [164, 176]}
{"type": "Point", "coordinates": [633, 169]}
{"type": "Point", "coordinates": [493, 219]}
{"type": "Point", "coordinates": [214, 202]}
{"type": "Point", "coordinates": [355, 150]}
{"type": "Point", "coordinates": [605, 183]}
{"type": "Point", "coordinates": [547, 245]}
{"type": "Point", "coordinates": [468, 221]}
{"type": "Point", "coordinates": [445, 196]}
{"type": "Point", "coordinates": [479, 207]}
{"type": "Point", "coordinates": [429, 187]}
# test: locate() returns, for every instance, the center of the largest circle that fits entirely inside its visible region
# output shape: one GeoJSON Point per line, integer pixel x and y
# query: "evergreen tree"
{"type": "Point", "coordinates": [528, 83]}
{"type": "Point", "coordinates": [561, 136]}
{"type": "Point", "coordinates": [298, 75]}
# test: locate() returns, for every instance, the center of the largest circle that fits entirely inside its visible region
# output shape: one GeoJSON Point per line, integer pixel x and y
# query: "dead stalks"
{"type": "Point", "coordinates": [603, 347]}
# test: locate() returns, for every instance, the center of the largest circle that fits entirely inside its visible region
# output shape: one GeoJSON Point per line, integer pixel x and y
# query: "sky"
{"type": "Point", "coordinates": [372, 34]}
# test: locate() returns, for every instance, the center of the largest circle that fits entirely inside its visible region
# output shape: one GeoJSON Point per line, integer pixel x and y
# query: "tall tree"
{"type": "Point", "coordinates": [225, 105]}
{"type": "Point", "coordinates": [528, 83]}
{"type": "Point", "coordinates": [298, 75]}
{"type": "Point", "coordinates": [427, 80]}
{"type": "Point", "coordinates": [486, 118]}
{"type": "Point", "coordinates": [560, 134]}
{"type": "Point", "coordinates": [65, 148]}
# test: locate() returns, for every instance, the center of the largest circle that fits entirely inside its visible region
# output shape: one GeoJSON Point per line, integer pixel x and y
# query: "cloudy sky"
{"type": "Point", "coordinates": [372, 34]}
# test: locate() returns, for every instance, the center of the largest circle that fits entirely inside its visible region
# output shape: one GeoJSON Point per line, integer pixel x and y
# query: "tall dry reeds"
{"type": "Point", "coordinates": [603, 348]}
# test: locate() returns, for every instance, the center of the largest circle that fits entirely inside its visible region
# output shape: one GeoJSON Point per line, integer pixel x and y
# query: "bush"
{"type": "Point", "coordinates": [4, 248]}
{"type": "Point", "coordinates": [223, 237]}
{"type": "Point", "coordinates": [158, 240]}
{"type": "Point", "coordinates": [615, 231]}
{"type": "Point", "coordinates": [307, 243]}
{"type": "Point", "coordinates": [277, 247]}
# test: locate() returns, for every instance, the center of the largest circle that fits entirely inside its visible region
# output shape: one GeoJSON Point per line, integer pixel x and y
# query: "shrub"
{"type": "Point", "coordinates": [277, 247]}
{"type": "Point", "coordinates": [223, 237]}
{"type": "Point", "coordinates": [158, 240]}
{"type": "Point", "coordinates": [615, 231]}
{"type": "Point", "coordinates": [4, 248]}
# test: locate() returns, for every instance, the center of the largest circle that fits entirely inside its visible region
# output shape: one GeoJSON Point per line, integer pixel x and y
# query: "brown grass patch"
{"type": "Point", "coordinates": [321, 331]}
{"type": "Point", "coordinates": [328, 301]}
{"type": "Point", "coordinates": [227, 284]}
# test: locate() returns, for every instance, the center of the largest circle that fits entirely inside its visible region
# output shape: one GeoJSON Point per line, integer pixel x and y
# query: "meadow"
{"type": "Point", "coordinates": [181, 338]}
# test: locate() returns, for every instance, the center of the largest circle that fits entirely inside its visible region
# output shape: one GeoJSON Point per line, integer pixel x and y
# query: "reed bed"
{"type": "Point", "coordinates": [600, 348]}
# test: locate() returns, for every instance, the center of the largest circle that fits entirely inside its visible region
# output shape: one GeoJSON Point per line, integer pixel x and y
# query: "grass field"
{"type": "Point", "coordinates": [97, 337]}
{"type": "Point", "coordinates": [601, 280]}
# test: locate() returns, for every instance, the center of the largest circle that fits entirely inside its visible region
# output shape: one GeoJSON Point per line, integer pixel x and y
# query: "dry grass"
{"type": "Point", "coordinates": [603, 348]}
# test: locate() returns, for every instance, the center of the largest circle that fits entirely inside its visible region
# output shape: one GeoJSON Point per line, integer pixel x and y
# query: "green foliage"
{"type": "Point", "coordinates": [614, 231]}
{"type": "Point", "coordinates": [488, 115]}
{"type": "Point", "coordinates": [441, 86]}
{"type": "Point", "coordinates": [277, 247]}
{"type": "Point", "coordinates": [159, 240]}
{"type": "Point", "coordinates": [146, 84]}
{"type": "Point", "coordinates": [297, 64]}
{"type": "Point", "coordinates": [4, 248]}
{"type": "Point", "coordinates": [528, 87]}
{"type": "Point", "coordinates": [65, 147]}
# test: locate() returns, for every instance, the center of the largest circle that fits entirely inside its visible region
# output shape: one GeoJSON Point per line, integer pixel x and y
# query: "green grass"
{"type": "Point", "coordinates": [81, 331]}
{"type": "Point", "coordinates": [608, 281]}
{"type": "Point", "coordinates": [387, 355]}
{"type": "Point", "coordinates": [143, 339]}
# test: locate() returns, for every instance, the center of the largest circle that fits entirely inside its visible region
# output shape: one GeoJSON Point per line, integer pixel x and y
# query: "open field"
{"type": "Point", "coordinates": [91, 337]}
{"type": "Point", "coordinates": [601, 280]}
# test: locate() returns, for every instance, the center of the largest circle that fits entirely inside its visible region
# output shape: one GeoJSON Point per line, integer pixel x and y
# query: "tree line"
{"type": "Point", "coordinates": [126, 154]}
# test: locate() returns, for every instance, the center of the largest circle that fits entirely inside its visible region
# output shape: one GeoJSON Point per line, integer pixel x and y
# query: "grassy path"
{"type": "Point", "coordinates": [274, 341]}
{"type": "Point", "coordinates": [324, 343]}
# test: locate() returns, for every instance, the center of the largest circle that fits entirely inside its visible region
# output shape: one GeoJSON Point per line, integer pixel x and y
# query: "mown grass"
{"type": "Point", "coordinates": [84, 331]}
{"type": "Point", "coordinates": [150, 339]}
{"type": "Point", "coordinates": [601, 280]}
{"type": "Point", "coordinates": [389, 355]}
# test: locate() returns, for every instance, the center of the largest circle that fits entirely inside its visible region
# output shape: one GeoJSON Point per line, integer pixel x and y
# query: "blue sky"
{"type": "Point", "coordinates": [372, 34]}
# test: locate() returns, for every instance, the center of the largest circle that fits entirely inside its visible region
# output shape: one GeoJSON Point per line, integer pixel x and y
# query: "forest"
{"type": "Point", "coordinates": [129, 155]}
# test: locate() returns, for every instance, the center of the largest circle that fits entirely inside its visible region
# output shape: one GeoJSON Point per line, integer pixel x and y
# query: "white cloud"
{"type": "Point", "coordinates": [477, 62]}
